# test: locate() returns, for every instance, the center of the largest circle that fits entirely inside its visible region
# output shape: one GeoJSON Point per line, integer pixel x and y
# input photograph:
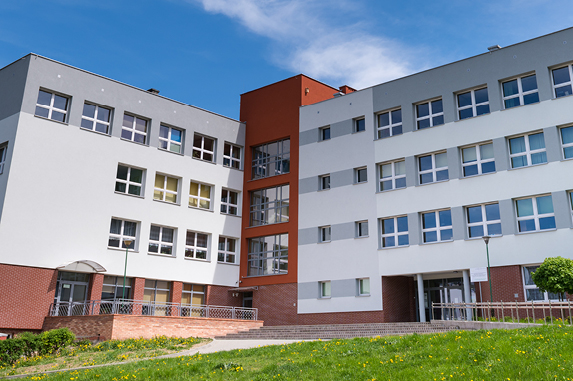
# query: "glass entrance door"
{"type": "Point", "coordinates": [71, 293]}
{"type": "Point", "coordinates": [449, 290]}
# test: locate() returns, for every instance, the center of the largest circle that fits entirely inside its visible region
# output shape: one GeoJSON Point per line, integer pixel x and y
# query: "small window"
{"type": "Point", "coordinates": [324, 133]}
{"type": "Point", "coordinates": [361, 229]}
{"type": "Point", "coordinates": [360, 175]}
{"type": "Point", "coordinates": [324, 182]}
{"type": "Point", "coordinates": [324, 289]}
{"type": "Point", "coordinates": [392, 175]}
{"type": "Point", "coordinates": [437, 226]}
{"type": "Point", "coordinates": [96, 118]}
{"type": "Point", "coordinates": [433, 168]}
{"type": "Point", "coordinates": [562, 81]}
{"type": "Point", "coordinates": [473, 103]}
{"type": "Point", "coordinates": [394, 232]}
{"type": "Point", "coordinates": [134, 129]}
{"type": "Point", "coordinates": [165, 188]}
{"type": "Point", "coordinates": [363, 286]}
{"type": "Point", "coordinates": [203, 148]}
{"type": "Point", "coordinates": [429, 114]}
{"type": "Point", "coordinates": [171, 139]}
{"type": "Point", "coordinates": [535, 214]}
{"type": "Point", "coordinates": [227, 250]}
{"type": "Point", "coordinates": [478, 159]}
{"type": "Point", "coordinates": [161, 240]}
{"type": "Point", "coordinates": [122, 231]}
{"type": "Point", "coordinates": [527, 150]}
{"type": "Point", "coordinates": [483, 220]}
{"type": "Point", "coordinates": [520, 91]}
{"type": "Point", "coordinates": [390, 123]}
{"type": "Point", "coordinates": [229, 202]}
{"type": "Point", "coordinates": [324, 233]}
{"type": "Point", "coordinates": [3, 153]}
{"type": "Point", "coordinates": [567, 142]}
{"type": "Point", "coordinates": [200, 195]}
{"type": "Point", "coordinates": [129, 180]}
{"type": "Point", "coordinates": [196, 245]}
{"type": "Point", "coordinates": [359, 125]}
{"type": "Point", "coordinates": [52, 106]}
{"type": "Point", "coordinates": [232, 156]}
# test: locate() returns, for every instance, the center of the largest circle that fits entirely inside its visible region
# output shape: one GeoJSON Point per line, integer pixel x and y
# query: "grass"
{"type": "Point", "coordinates": [85, 354]}
{"type": "Point", "coordinates": [539, 353]}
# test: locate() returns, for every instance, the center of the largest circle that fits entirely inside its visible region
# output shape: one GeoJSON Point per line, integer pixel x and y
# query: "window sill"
{"type": "Point", "coordinates": [162, 255]}
{"type": "Point", "coordinates": [197, 259]}
{"type": "Point", "coordinates": [227, 263]}
{"type": "Point", "coordinates": [52, 120]}
{"type": "Point", "coordinates": [393, 247]}
{"type": "Point", "coordinates": [175, 153]}
{"type": "Point", "coordinates": [228, 214]}
{"type": "Point", "coordinates": [167, 202]}
{"type": "Point", "coordinates": [122, 250]}
{"type": "Point", "coordinates": [481, 238]}
{"type": "Point", "coordinates": [129, 194]}
{"type": "Point", "coordinates": [433, 182]}
{"type": "Point", "coordinates": [388, 137]}
{"type": "Point", "coordinates": [429, 128]}
{"type": "Point", "coordinates": [198, 208]}
{"type": "Point", "coordinates": [324, 190]}
{"type": "Point", "coordinates": [324, 140]}
{"type": "Point", "coordinates": [131, 141]}
{"type": "Point", "coordinates": [536, 231]}
{"type": "Point", "coordinates": [362, 236]}
{"type": "Point", "coordinates": [203, 160]}
{"type": "Point", "coordinates": [392, 190]}
{"type": "Point", "coordinates": [556, 98]}
{"type": "Point", "coordinates": [236, 169]}
{"type": "Point", "coordinates": [363, 296]}
{"type": "Point", "coordinates": [437, 242]}
{"type": "Point", "coordinates": [514, 107]}
{"type": "Point", "coordinates": [526, 166]}
{"type": "Point", "coordinates": [357, 132]}
{"type": "Point", "coordinates": [362, 182]}
{"type": "Point", "coordinates": [324, 242]}
{"type": "Point", "coordinates": [478, 175]}
{"type": "Point", "coordinates": [95, 132]}
{"type": "Point", "coordinates": [471, 117]}
{"type": "Point", "coordinates": [324, 297]}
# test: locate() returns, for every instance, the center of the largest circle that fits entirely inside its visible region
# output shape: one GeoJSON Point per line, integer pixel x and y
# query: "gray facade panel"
{"type": "Point", "coordinates": [308, 137]}
{"type": "Point", "coordinates": [341, 128]}
{"type": "Point", "coordinates": [343, 231]}
{"type": "Point", "coordinates": [501, 154]}
{"type": "Point", "coordinates": [552, 144]}
{"type": "Point", "coordinates": [13, 79]}
{"type": "Point", "coordinates": [308, 185]}
{"type": "Point", "coordinates": [414, 231]}
{"type": "Point", "coordinates": [342, 178]}
{"type": "Point", "coordinates": [307, 236]}
{"type": "Point", "coordinates": [411, 171]}
{"type": "Point", "coordinates": [308, 290]}
{"type": "Point", "coordinates": [343, 288]}
{"type": "Point", "coordinates": [507, 214]}
{"type": "Point", "coordinates": [458, 223]}
{"type": "Point", "coordinates": [562, 209]}
{"type": "Point", "coordinates": [454, 163]}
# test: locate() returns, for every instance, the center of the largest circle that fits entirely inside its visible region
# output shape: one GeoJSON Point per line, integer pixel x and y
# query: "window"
{"type": "Point", "coordinates": [562, 81]}
{"type": "Point", "coordinates": [200, 195]}
{"type": "Point", "coordinates": [571, 202]}
{"type": "Point", "coordinates": [120, 231]}
{"type": "Point", "coordinates": [165, 188]}
{"type": "Point", "coordinates": [324, 233]}
{"type": "Point", "coordinates": [96, 118]}
{"type": "Point", "coordinates": [156, 293]}
{"type": "Point", "coordinates": [566, 141]}
{"type": "Point", "coordinates": [324, 182]}
{"type": "Point", "coordinates": [363, 286]}
{"type": "Point", "coordinates": [429, 114]}
{"type": "Point", "coordinates": [359, 125]}
{"type": "Point", "coordinates": [229, 202]}
{"type": "Point", "coordinates": [527, 150]}
{"type": "Point", "coordinates": [394, 231]}
{"type": "Point", "coordinates": [269, 206]}
{"type": "Point", "coordinates": [390, 123]}
{"type": "Point", "coordinates": [478, 159]}
{"type": "Point", "coordinates": [361, 229]}
{"type": "Point", "coordinates": [170, 139]}
{"type": "Point", "coordinates": [520, 91]}
{"type": "Point", "coordinates": [161, 240]}
{"type": "Point", "coordinates": [433, 167]}
{"type": "Point", "coordinates": [360, 175]}
{"type": "Point", "coordinates": [271, 159]}
{"type": "Point", "coordinates": [268, 255]}
{"type": "Point", "coordinates": [324, 289]}
{"type": "Point", "coordinates": [227, 250]}
{"type": "Point", "coordinates": [535, 214]}
{"type": "Point", "coordinates": [532, 292]}
{"type": "Point", "coordinates": [392, 175]}
{"type": "Point", "coordinates": [324, 133]}
{"type": "Point", "coordinates": [437, 226]}
{"type": "Point", "coordinates": [483, 220]}
{"type": "Point", "coordinates": [52, 106]}
{"type": "Point", "coordinates": [203, 148]}
{"type": "Point", "coordinates": [193, 294]}
{"type": "Point", "coordinates": [196, 245]}
{"type": "Point", "coordinates": [3, 153]}
{"type": "Point", "coordinates": [473, 103]}
{"type": "Point", "coordinates": [134, 129]}
{"type": "Point", "coordinates": [113, 288]}
{"type": "Point", "coordinates": [129, 180]}
{"type": "Point", "coordinates": [232, 156]}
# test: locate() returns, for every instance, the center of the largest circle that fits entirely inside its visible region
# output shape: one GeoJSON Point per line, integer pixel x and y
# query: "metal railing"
{"type": "Point", "coordinates": [529, 312]}
{"type": "Point", "coordinates": [140, 307]}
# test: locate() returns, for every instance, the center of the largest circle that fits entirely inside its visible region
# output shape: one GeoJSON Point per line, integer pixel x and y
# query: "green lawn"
{"type": "Point", "coordinates": [541, 353]}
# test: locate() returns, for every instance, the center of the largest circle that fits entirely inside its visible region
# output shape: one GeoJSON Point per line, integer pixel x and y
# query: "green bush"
{"type": "Point", "coordinates": [28, 344]}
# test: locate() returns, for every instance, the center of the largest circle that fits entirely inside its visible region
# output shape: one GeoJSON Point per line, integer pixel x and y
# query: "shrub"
{"type": "Point", "coordinates": [28, 344]}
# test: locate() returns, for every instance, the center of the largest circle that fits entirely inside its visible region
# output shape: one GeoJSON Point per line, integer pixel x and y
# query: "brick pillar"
{"type": "Point", "coordinates": [176, 291]}
{"type": "Point", "coordinates": [138, 285]}
{"type": "Point", "coordinates": [94, 292]}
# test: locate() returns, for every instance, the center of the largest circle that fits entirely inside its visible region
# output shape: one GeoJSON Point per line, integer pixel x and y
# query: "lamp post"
{"type": "Point", "coordinates": [127, 243]}
{"type": "Point", "coordinates": [486, 240]}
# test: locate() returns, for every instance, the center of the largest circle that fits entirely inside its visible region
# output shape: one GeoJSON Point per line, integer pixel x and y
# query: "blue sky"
{"type": "Point", "coordinates": [207, 52]}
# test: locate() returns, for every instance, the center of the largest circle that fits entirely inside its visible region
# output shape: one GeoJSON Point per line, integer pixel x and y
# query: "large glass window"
{"type": "Point", "coordinates": [268, 255]}
{"type": "Point", "coordinates": [483, 220]}
{"type": "Point", "coordinates": [129, 180]}
{"type": "Point", "coordinates": [429, 114]}
{"type": "Point", "coordinates": [120, 231]}
{"type": "Point", "coordinates": [96, 118]}
{"type": "Point", "coordinates": [392, 175]}
{"type": "Point", "coordinates": [437, 226]}
{"type": "Point", "coordinates": [520, 91]}
{"type": "Point", "coordinates": [567, 142]}
{"type": "Point", "coordinates": [473, 103]}
{"type": "Point", "coordinates": [433, 167]}
{"type": "Point", "coordinates": [134, 129]}
{"type": "Point", "coordinates": [389, 123]}
{"type": "Point", "coordinates": [527, 150]}
{"type": "Point", "coordinates": [562, 81]}
{"type": "Point", "coordinates": [478, 159]}
{"type": "Point", "coordinates": [271, 159]}
{"type": "Point", "coordinates": [52, 106]}
{"type": "Point", "coordinates": [171, 139]}
{"type": "Point", "coordinates": [532, 292]}
{"type": "Point", "coordinates": [161, 240]}
{"type": "Point", "coordinates": [269, 206]}
{"type": "Point", "coordinates": [535, 213]}
{"type": "Point", "coordinates": [394, 231]}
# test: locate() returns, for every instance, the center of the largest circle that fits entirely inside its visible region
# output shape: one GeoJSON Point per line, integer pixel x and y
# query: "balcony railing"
{"type": "Point", "coordinates": [139, 307]}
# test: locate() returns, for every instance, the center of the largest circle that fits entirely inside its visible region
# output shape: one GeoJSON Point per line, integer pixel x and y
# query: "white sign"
{"type": "Point", "coordinates": [478, 274]}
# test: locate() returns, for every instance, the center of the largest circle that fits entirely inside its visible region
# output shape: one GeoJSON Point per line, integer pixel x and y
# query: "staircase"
{"type": "Point", "coordinates": [335, 331]}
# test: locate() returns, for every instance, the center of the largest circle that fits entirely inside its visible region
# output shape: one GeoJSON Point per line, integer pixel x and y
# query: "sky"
{"type": "Point", "coordinates": [208, 52]}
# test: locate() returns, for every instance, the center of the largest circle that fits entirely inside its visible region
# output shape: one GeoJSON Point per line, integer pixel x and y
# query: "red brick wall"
{"type": "Point", "coordinates": [96, 286]}
{"type": "Point", "coordinates": [277, 304]}
{"type": "Point", "coordinates": [398, 299]}
{"type": "Point", "coordinates": [221, 296]}
{"type": "Point", "coordinates": [25, 296]}
{"type": "Point", "coordinates": [342, 317]}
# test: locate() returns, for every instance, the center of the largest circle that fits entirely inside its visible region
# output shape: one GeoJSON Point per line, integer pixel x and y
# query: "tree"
{"type": "Point", "coordinates": [555, 275]}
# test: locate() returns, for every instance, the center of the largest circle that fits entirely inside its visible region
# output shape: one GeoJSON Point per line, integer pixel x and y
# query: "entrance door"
{"type": "Point", "coordinates": [248, 299]}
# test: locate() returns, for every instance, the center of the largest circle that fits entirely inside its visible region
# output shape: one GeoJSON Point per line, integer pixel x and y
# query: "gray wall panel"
{"type": "Point", "coordinates": [342, 178]}
{"type": "Point", "coordinates": [341, 128]}
{"type": "Point", "coordinates": [343, 231]}
{"type": "Point", "coordinates": [308, 137]}
{"type": "Point", "coordinates": [454, 163]}
{"type": "Point", "coordinates": [308, 290]}
{"type": "Point", "coordinates": [308, 185]}
{"type": "Point", "coordinates": [343, 288]}
{"type": "Point", "coordinates": [411, 171]}
{"type": "Point", "coordinates": [562, 209]}
{"type": "Point", "coordinates": [414, 234]}
{"type": "Point", "coordinates": [458, 223]}
{"type": "Point", "coordinates": [507, 214]}
{"type": "Point", "coordinates": [307, 236]}
{"type": "Point", "coordinates": [13, 79]}
{"type": "Point", "coordinates": [552, 144]}
{"type": "Point", "coordinates": [501, 154]}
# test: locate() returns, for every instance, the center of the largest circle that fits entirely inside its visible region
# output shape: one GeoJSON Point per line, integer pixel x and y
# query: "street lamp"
{"type": "Point", "coordinates": [127, 243]}
{"type": "Point", "coordinates": [486, 240]}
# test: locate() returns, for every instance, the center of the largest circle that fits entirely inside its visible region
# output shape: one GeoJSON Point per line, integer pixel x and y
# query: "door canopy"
{"type": "Point", "coordinates": [83, 266]}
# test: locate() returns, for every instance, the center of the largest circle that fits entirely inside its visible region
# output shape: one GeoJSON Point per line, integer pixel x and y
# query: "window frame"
{"type": "Point", "coordinates": [164, 191]}
{"type": "Point", "coordinates": [520, 93]}
{"type": "Point", "coordinates": [392, 178]}
{"type": "Point", "coordinates": [360, 282]}
{"type": "Point", "coordinates": [324, 289]}
{"type": "Point", "coordinates": [357, 176]}
{"type": "Point", "coordinates": [191, 291]}
{"type": "Point", "coordinates": [438, 228]}
{"type": "Point", "coordinates": [199, 153]}
{"type": "Point", "coordinates": [392, 124]}
{"type": "Point", "coordinates": [128, 182]}
{"type": "Point", "coordinates": [434, 170]}
{"type": "Point", "coordinates": [51, 108]}
{"type": "Point", "coordinates": [94, 121]}
{"type": "Point", "coordinates": [226, 252]}
{"type": "Point", "coordinates": [228, 205]}
{"type": "Point", "coordinates": [200, 198]}
{"type": "Point", "coordinates": [528, 151]}
{"type": "Point", "coordinates": [324, 133]}
{"type": "Point", "coordinates": [325, 234]}
{"type": "Point", "coordinates": [3, 156]}
{"type": "Point", "coordinates": [122, 236]}
{"type": "Point", "coordinates": [322, 179]}
{"type": "Point", "coordinates": [565, 146]}
{"type": "Point", "coordinates": [533, 286]}
{"type": "Point", "coordinates": [194, 246]}
{"type": "Point", "coordinates": [484, 223]}
{"type": "Point", "coordinates": [263, 162]}
{"type": "Point", "coordinates": [361, 229]}
{"type": "Point", "coordinates": [169, 141]}
{"type": "Point", "coordinates": [473, 106]}
{"type": "Point", "coordinates": [562, 84]}
{"type": "Point", "coordinates": [229, 160]}
{"type": "Point", "coordinates": [479, 161]}
{"type": "Point", "coordinates": [133, 131]}
{"type": "Point", "coordinates": [276, 254]}
{"type": "Point", "coordinates": [356, 123]}
{"type": "Point", "coordinates": [396, 234]}
{"type": "Point", "coordinates": [536, 216]}
{"type": "Point", "coordinates": [161, 244]}
{"type": "Point", "coordinates": [117, 287]}
{"type": "Point", "coordinates": [431, 115]}
{"type": "Point", "coordinates": [263, 207]}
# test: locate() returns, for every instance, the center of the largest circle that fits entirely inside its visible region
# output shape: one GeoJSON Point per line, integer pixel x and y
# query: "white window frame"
{"type": "Point", "coordinates": [484, 223]}
{"type": "Point", "coordinates": [565, 145]}
{"type": "Point", "coordinates": [479, 161]}
{"type": "Point", "coordinates": [324, 182]}
{"type": "Point", "coordinates": [324, 289]}
{"type": "Point", "coordinates": [356, 124]}
{"type": "Point", "coordinates": [171, 145]}
{"type": "Point", "coordinates": [357, 171]}
{"type": "Point", "coordinates": [431, 114]}
{"type": "Point", "coordinates": [520, 93]}
{"type": "Point", "coordinates": [438, 229]}
{"type": "Point", "coordinates": [528, 151]}
{"type": "Point", "coordinates": [225, 251]}
{"type": "Point", "coordinates": [198, 198]}
{"type": "Point", "coordinates": [570, 193]}
{"type": "Point", "coordinates": [95, 121]}
{"type": "Point", "coordinates": [391, 125]}
{"type": "Point", "coordinates": [51, 108]}
{"type": "Point", "coordinates": [360, 287]}
{"type": "Point", "coordinates": [432, 170]}
{"type": "Point", "coordinates": [189, 289]}
{"type": "Point", "coordinates": [199, 153]}
{"type": "Point", "coordinates": [128, 182]}
{"type": "Point", "coordinates": [536, 215]}
{"type": "Point", "coordinates": [163, 191]}
{"type": "Point", "coordinates": [133, 130]}
{"type": "Point", "coordinates": [122, 236]}
{"type": "Point", "coordinates": [473, 106]}
{"type": "Point", "coordinates": [161, 243]}
{"type": "Point", "coordinates": [396, 234]}
{"type": "Point", "coordinates": [322, 133]}
{"type": "Point", "coordinates": [229, 160]}
{"type": "Point", "coordinates": [3, 155]}
{"type": "Point", "coordinates": [325, 234]}
{"type": "Point", "coordinates": [563, 84]}
{"type": "Point", "coordinates": [361, 229]}
{"type": "Point", "coordinates": [391, 178]}
{"type": "Point", "coordinates": [534, 287]}
{"type": "Point", "coordinates": [193, 246]}
{"type": "Point", "coordinates": [228, 205]}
